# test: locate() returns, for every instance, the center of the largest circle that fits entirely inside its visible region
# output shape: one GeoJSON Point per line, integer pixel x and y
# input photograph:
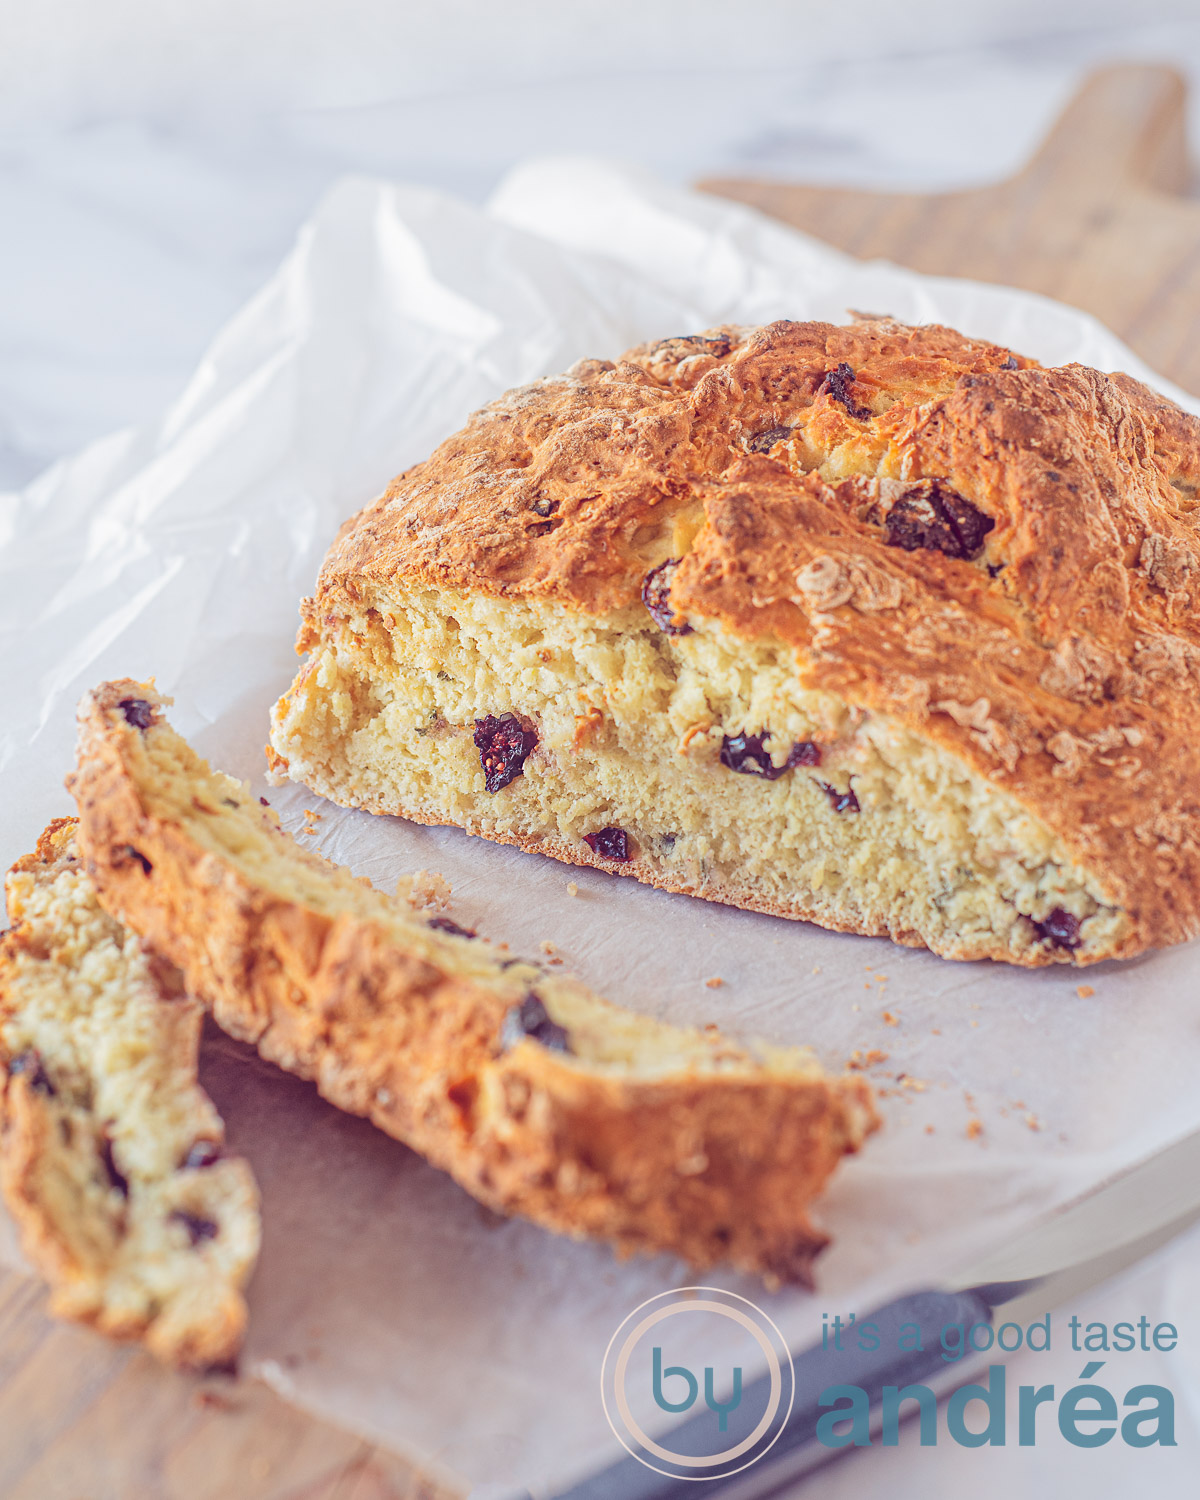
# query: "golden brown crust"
{"type": "Point", "coordinates": [543, 493]}
{"type": "Point", "coordinates": [713, 1167]}
{"type": "Point", "coordinates": [1062, 661]}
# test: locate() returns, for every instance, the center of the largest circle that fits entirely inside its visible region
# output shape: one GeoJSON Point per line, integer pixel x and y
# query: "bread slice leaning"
{"type": "Point", "coordinates": [538, 1097]}
{"type": "Point", "coordinates": [111, 1154]}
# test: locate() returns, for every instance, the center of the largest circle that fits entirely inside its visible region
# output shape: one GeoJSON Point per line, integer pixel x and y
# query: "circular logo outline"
{"type": "Point", "coordinates": [696, 1303]}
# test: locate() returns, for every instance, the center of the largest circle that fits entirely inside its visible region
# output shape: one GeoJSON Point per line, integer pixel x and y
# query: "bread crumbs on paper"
{"type": "Point", "coordinates": [425, 888]}
{"type": "Point", "coordinates": [889, 1019]}
{"type": "Point", "coordinates": [859, 1060]}
{"type": "Point", "coordinates": [1084, 991]}
{"type": "Point", "coordinates": [1033, 1122]}
{"type": "Point", "coordinates": [572, 888]}
{"type": "Point", "coordinates": [715, 982]}
{"type": "Point", "coordinates": [974, 1128]}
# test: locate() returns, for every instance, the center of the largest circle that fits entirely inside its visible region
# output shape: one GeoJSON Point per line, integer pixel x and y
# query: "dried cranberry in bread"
{"type": "Point", "coordinates": [111, 1155]}
{"type": "Point", "coordinates": [876, 626]}
{"type": "Point", "coordinates": [537, 1096]}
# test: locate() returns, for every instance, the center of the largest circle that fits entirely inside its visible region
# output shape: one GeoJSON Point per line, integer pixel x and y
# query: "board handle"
{"type": "Point", "coordinates": [1126, 125]}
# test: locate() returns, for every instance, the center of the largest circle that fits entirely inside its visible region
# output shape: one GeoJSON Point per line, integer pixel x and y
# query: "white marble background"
{"type": "Point", "coordinates": [156, 160]}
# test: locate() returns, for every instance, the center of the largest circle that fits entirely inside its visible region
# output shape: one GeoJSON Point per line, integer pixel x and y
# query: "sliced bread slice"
{"type": "Point", "coordinates": [536, 1095]}
{"type": "Point", "coordinates": [111, 1156]}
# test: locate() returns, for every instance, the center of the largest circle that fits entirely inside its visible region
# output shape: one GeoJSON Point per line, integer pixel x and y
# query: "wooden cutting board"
{"type": "Point", "coordinates": [83, 1420]}
{"type": "Point", "coordinates": [1097, 219]}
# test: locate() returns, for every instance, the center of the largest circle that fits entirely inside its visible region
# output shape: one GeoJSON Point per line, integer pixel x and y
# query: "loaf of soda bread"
{"type": "Point", "coordinates": [877, 626]}
{"type": "Point", "coordinates": [538, 1097]}
{"type": "Point", "coordinates": [111, 1154]}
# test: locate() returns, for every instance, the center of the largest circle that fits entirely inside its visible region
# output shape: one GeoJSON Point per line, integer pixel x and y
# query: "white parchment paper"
{"type": "Point", "coordinates": [385, 1298]}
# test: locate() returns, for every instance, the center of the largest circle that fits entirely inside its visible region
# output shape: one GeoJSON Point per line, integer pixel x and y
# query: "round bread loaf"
{"type": "Point", "coordinates": [876, 626]}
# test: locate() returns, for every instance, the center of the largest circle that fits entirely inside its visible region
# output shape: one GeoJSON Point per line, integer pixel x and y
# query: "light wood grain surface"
{"type": "Point", "coordinates": [82, 1420]}
{"type": "Point", "coordinates": [1098, 219]}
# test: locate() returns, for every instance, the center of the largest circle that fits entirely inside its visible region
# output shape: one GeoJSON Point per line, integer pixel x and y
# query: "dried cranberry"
{"type": "Point", "coordinates": [30, 1064]}
{"type": "Point", "coordinates": [201, 1153]}
{"type": "Point", "coordinates": [115, 1175]}
{"type": "Point", "coordinates": [656, 596]}
{"type": "Point", "coordinates": [935, 517]}
{"type": "Point", "coordinates": [198, 1227]}
{"type": "Point", "coordinates": [763, 442]}
{"type": "Point", "coordinates": [745, 754]}
{"type": "Point", "coordinates": [137, 712]}
{"type": "Point", "coordinates": [444, 924]}
{"type": "Point", "coordinates": [529, 1019]}
{"type": "Point", "coordinates": [837, 383]}
{"type": "Point", "coordinates": [503, 745]}
{"type": "Point", "coordinates": [1009, 364]}
{"type": "Point", "coordinates": [841, 802]}
{"type": "Point", "coordinates": [1060, 928]}
{"type": "Point", "coordinates": [718, 345]}
{"type": "Point", "coordinates": [124, 853]}
{"type": "Point", "coordinates": [804, 753]}
{"type": "Point", "coordinates": [609, 843]}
